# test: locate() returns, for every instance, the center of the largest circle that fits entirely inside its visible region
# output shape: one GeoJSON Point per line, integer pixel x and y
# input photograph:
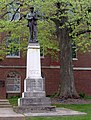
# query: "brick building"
{"type": "Point", "coordinates": [13, 73]}
{"type": "Point", "coordinates": [13, 70]}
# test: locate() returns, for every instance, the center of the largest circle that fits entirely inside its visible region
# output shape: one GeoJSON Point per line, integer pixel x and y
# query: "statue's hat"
{"type": "Point", "coordinates": [31, 7]}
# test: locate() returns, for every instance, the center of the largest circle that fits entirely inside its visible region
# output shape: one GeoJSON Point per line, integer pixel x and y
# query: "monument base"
{"type": "Point", "coordinates": [35, 101]}
{"type": "Point", "coordinates": [34, 109]}
{"type": "Point", "coordinates": [34, 105]}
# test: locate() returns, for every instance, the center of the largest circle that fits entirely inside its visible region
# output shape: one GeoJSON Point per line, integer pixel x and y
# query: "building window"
{"type": "Point", "coordinates": [13, 9]}
{"type": "Point", "coordinates": [13, 44]}
{"type": "Point", "coordinates": [13, 47]}
{"type": "Point", "coordinates": [13, 83]}
{"type": "Point", "coordinates": [74, 52]}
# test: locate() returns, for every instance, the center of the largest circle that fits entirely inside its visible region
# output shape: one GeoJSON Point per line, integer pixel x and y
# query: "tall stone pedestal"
{"type": "Point", "coordinates": [34, 98]}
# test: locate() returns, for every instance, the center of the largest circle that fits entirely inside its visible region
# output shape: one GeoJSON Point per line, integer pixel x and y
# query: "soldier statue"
{"type": "Point", "coordinates": [32, 24]}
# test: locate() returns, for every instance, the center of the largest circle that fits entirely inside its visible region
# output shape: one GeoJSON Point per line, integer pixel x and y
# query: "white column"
{"type": "Point", "coordinates": [33, 61]}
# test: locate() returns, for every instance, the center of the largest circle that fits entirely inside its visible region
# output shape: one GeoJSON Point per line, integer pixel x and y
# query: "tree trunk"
{"type": "Point", "coordinates": [67, 85]}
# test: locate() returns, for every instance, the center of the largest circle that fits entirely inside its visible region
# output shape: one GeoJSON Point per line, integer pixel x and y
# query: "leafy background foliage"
{"type": "Point", "coordinates": [77, 12]}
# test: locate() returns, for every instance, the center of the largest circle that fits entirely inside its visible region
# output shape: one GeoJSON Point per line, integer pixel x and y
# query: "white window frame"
{"type": "Point", "coordinates": [74, 47]}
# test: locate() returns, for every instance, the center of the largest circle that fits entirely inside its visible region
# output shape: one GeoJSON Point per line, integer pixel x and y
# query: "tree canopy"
{"type": "Point", "coordinates": [77, 13]}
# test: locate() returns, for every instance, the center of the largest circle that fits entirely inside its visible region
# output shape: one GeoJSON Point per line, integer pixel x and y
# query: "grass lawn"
{"type": "Point", "coordinates": [80, 107]}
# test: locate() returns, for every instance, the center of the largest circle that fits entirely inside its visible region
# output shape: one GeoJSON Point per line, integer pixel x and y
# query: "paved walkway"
{"type": "Point", "coordinates": [9, 114]}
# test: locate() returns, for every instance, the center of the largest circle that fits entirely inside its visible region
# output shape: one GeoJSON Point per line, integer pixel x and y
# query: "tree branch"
{"type": "Point", "coordinates": [83, 32]}
{"type": "Point", "coordinates": [15, 13]}
{"type": "Point", "coordinates": [5, 14]}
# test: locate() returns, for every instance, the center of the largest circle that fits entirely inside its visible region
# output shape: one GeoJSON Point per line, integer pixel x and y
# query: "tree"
{"type": "Point", "coordinates": [72, 22]}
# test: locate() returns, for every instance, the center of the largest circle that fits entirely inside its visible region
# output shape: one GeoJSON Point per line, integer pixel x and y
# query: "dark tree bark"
{"type": "Point", "coordinates": [67, 85]}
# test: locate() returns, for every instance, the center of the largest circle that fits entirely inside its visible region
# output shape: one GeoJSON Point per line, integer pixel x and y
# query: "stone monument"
{"type": "Point", "coordinates": [34, 98]}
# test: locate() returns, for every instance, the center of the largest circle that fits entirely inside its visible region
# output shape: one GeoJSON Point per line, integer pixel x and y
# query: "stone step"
{"type": "Point", "coordinates": [34, 109]}
{"type": "Point", "coordinates": [4, 103]}
{"type": "Point", "coordinates": [35, 101]}
{"type": "Point", "coordinates": [3, 100]}
{"type": "Point", "coordinates": [5, 106]}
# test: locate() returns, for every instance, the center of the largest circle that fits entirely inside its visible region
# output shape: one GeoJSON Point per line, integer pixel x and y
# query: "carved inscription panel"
{"type": "Point", "coordinates": [34, 72]}
{"type": "Point", "coordinates": [34, 84]}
